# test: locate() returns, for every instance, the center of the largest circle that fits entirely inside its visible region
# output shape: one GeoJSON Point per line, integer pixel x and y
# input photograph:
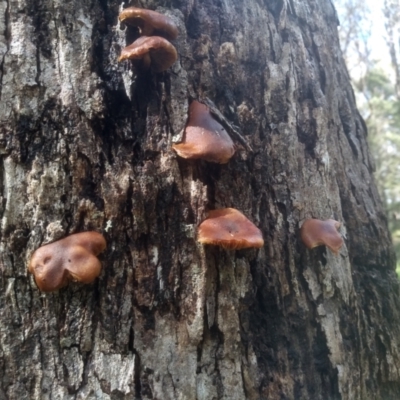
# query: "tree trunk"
{"type": "Point", "coordinates": [86, 145]}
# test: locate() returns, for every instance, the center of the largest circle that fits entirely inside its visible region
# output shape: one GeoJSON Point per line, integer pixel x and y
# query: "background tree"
{"type": "Point", "coordinates": [85, 144]}
{"type": "Point", "coordinates": [391, 10]}
{"type": "Point", "coordinates": [354, 34]}
{"type": "Point", "coordinates": [376, 84]}
{"type": "Point", "coordinates": [383, 123]}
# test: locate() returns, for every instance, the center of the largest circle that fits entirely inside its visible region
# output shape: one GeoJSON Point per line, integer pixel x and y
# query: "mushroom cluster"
{"type": "Point", "coordinates": [70, 259]}
{"type": "Point", "coordinates": [206, 139]}
{"type": "Point", "coordinates": [152, 50]}
{"type": "Point", "coordinates": [74, 258]}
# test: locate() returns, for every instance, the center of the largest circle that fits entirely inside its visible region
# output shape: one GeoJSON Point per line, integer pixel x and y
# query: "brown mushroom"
{"type": "Point", "coordinates": [229, 228]}
{"type": "Point", "coordinates": [149, 22]}
{"type": "Point", "coordinates": [154, 52]}
{"type": "Point", "coordinates": [204, 138]}
{"type": "Point", "coordinates": [70, 259]}
{"type": "Point", "coordinates": [315, 232]}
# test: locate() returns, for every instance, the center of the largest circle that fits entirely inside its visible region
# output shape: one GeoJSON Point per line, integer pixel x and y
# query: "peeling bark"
{"type": "Point", "coordinates": [85, 144]}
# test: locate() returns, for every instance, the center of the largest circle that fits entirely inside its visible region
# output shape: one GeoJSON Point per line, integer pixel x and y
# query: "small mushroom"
{"type": "Point", "coordinates": [204, 138]}
{"type": "Point", "coordinates": [315, 232]}
{"type": "Point", "coordinates": [149, 22]}
{"type": "Point", "coordinates": [155, 52]}
{"type": "Point", "coordinates": [229, 228]}
{"type": "Point", "coordinates": [70, 259]}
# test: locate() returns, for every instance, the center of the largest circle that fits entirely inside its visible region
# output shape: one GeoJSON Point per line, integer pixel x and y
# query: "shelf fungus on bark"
{"type": "Point", "coordinates": [229, 228]}
{"type": "Point", "coordinates": [152, 52]}
{"type": "Point", "coordinates": [315, 232]}
{"type": "Point", "coordinates": [205, 138]}
{"type": "Point", "coordinates": [70, 259]}
{"type": "Point", "coordinates": [149, 22]}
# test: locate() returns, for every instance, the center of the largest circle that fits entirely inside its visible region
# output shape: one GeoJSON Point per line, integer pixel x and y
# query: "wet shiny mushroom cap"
{"type": "Point", "coordinates": [204, 137]}
{"type": "Point", "coordinates": [315, 232]}
{"type": "Point", "coordinates": [149, 22]}
{"type": "Point", "coordinates": [70, 259]}
{"type": "Point", "coordinates": [155, 52]}
{"type": "Point", "coordinates": [229, 228]}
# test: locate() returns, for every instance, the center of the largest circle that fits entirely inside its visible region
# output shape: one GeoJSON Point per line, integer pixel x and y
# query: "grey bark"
{"type": "Point", "coordinates": [86, 145]}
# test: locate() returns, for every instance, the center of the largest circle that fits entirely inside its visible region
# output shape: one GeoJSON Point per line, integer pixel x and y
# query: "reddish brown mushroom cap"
{"type": "Point", "coordinates": [204, 137]}
{"type": "Point", "coordinates": [230, 229]}
{"type": "Point", "coordinates": [72, 258]}
{"type": "Point", "coordinates": [149, 22]}
{"type": "Point", "coordinates": [315, 232]}
{"type": "Point", "coordinates": [154, 51]}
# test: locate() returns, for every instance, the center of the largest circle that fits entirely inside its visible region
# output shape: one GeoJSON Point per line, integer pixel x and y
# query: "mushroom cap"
{"type": "Point", "coordinates": [149, 22]}
{"type": "Point", "coordinates": [204, 137]}
{"type": "Point", "coordinates": [229, 228]}
{"type": "Point", "coordinates": [315, 232]}
{"type": "Point", "coordinates": [155, 51]}
{"type": "Point", "coordinates": [72, 258]}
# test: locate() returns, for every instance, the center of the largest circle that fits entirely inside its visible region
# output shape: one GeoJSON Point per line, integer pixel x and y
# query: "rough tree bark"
{"type": "Point", "coordinates": [86, 145]}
